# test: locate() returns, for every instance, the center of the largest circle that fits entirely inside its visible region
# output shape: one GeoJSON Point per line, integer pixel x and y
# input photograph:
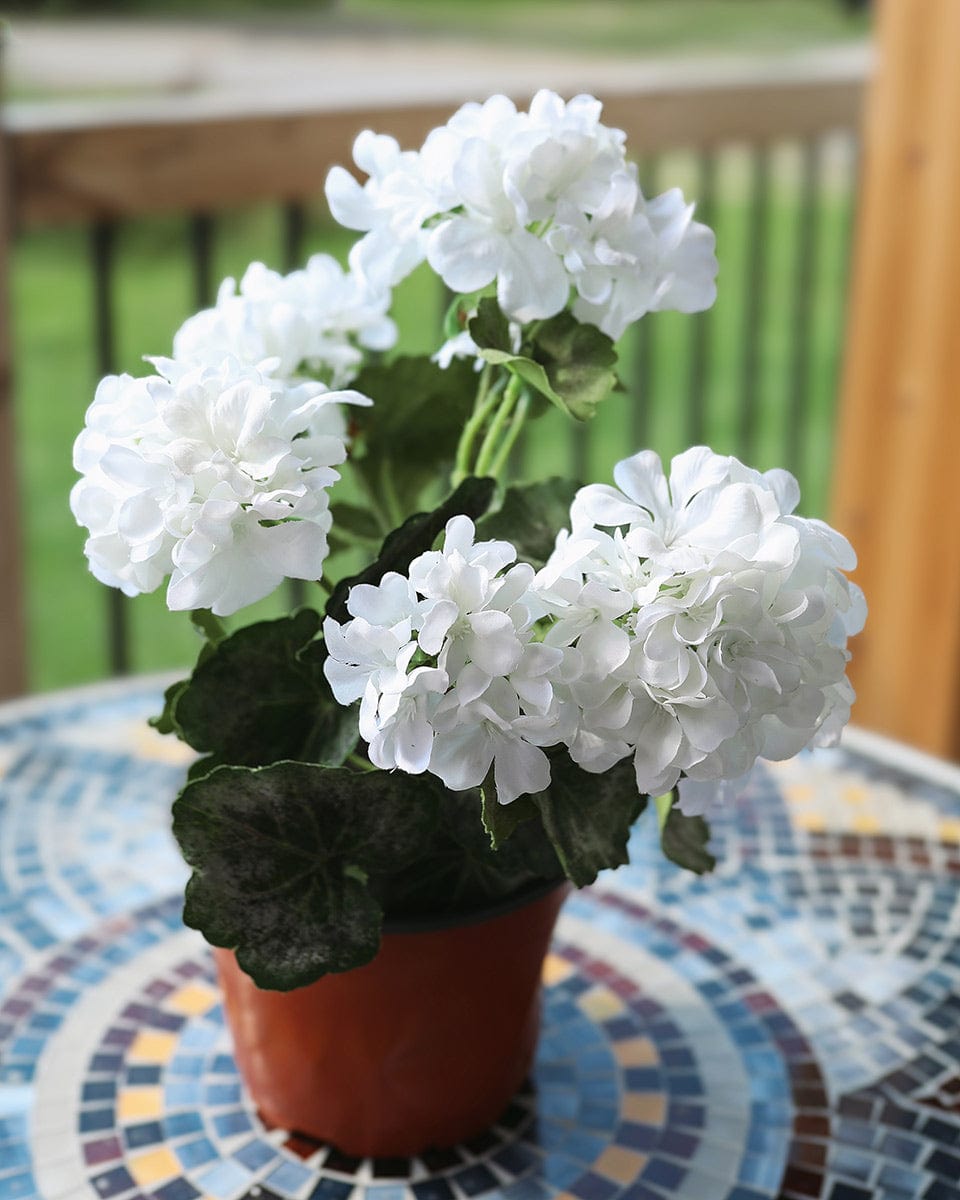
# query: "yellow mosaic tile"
{"type": "Point", "coordinates": [152, 1046]}
{"type": "Point", "coordinates": [855, 794]}
{"type": "Point", "coordinates": [154, 1166]}
{"type": "Point", "coordinates": [157, 747]}
{"type": "Point", "coordinates": [866, 823]}
{"type": "Point", "coordinates": [949, 831]}
{"type": "Point", "coordinates": [616, 1162]}
{"type": "Point", "coordinates": [601, 1005]}
{"type": "Point", "coordinates": [133, 1103]}
{"type": "Point", "coordinates": [798, 793]}
{"type": "Point", "coordinates": [648, 1108]}
{"type": "Point", "coordinates": [636, 1052]}
{"type": "Point", "coordinates": [555, 969]}
{"type": "Point", "coordinates": [810, 822]}
{"type": "Point", "coordinates": [192, 1000]}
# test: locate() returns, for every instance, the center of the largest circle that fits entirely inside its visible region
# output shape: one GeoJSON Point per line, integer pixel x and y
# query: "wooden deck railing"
{"type": "Point", "coordinates": [97, 165]}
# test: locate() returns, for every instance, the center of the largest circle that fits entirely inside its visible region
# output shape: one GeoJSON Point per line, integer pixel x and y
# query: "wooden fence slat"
{"type": "Point", "coordinates": [85, 163]}
{"type": "Point", "coordinates": [896, 493]}
{"type": "Point", "coordinates": [13, 641]}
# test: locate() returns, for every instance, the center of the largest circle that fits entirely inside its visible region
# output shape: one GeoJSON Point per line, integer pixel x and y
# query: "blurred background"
{"type": "Point", "coordinates": [156, 148]}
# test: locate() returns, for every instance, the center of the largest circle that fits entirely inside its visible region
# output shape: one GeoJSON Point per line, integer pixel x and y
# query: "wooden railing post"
{"type": "Point", "coordinates": [897, 488]}
{"type": "Point", "coordinates": [12, 629]}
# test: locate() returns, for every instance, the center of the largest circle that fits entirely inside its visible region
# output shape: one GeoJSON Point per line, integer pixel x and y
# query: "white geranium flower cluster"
{"type": "Point", "coordinates": [309, 323]}
{"type": "Point", "coordinates": [444, 663]}
{"type": "Point", "coordinates": [711, 621]}
{"type": "Point", "coordinates": [213, 475]}
{"type": "Point", "coordinates": [693, 623]}
{"type": "Point", "coordinates": [543, 202]}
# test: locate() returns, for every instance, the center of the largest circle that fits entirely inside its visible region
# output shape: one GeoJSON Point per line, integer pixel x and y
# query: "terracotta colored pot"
{"type": "Point", "coordinates": [422, 1047]}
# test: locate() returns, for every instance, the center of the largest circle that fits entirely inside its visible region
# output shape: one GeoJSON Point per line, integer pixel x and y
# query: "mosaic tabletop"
{"type": "Point", "coordinates": [788, 1027]}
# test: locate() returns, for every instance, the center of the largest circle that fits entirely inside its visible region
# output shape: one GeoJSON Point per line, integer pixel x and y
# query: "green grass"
{"type": "Point", "coordinates": [154, 293]}
{"type": "Point", "coordinates": [623, 26]}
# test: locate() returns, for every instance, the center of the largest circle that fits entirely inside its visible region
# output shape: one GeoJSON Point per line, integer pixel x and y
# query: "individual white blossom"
{"type": "Point", "coordinates": [461, 345]}
{"type": "Point", "coordinates": [214, 476]}
{"type": "Point", "coordinates": [710, 622]}
{"type": "Point", "coordinates": [312, 323]}
{"type": "Point", "coordinates": [540, 205]}
{"type": "Point", "coordinates": [444, 664]}
{"type": "Point", "coordinates": [634, 257]}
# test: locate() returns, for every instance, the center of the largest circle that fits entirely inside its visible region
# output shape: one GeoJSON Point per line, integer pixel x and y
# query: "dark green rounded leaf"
{"type": "Point", "coordinates": [279, 855]}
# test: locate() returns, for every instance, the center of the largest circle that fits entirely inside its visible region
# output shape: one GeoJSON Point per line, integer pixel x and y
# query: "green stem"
{"type": "Point", "coordinates": [390, 498]}
{"type": "Point", "coordinates": [516, 425]}
{"type": "Point", "coordinates": [489, 448]}
{"type": "Point", "coordinates": [205, 623]}
{"type": "Point", "coordinates": [486, 401]}
{"type": "Point", "coordinates": [357, 761]}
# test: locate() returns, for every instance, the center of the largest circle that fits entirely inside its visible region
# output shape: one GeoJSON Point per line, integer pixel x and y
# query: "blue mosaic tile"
{"type": "Point", "coordinates": [230, 1123]}
{"type": "Point", "coordinates": [178, 1124]}
{"type": "Point", "coordinates": [288, 1177]}
{"type": "Point", "coordinates": [846, 1023]}
{"type": "Point", "coordinates": [255, 1154]}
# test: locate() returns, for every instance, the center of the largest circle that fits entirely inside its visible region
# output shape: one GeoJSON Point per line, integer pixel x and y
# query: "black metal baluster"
{"type": "Point", "coordinates": [700, 327]}
{"type": "Point", "coordinates": [294, 234]}
{"type": "Point", "coordinates": [102, 257]}
{"type": "Point", "coordinates": [201, 255]}
{"type": "Point", "coordinates": [798, 406]}
{"type": "Point", "coordinates": [753, 298]}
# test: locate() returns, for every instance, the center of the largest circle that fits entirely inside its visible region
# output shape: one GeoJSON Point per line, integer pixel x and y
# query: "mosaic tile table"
{"type": "Point", "coordinates": [789, 1027]}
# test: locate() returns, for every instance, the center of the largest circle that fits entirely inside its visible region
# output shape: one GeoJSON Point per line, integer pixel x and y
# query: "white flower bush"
{"type": "Point", "coordinates": [539, 203]}
{"type": "Point", "coordinates": [502, 677]}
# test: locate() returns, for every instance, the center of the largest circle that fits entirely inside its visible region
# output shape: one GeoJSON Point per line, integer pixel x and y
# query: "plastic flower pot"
{"type": "Point", "coordinates": [422, 1047]}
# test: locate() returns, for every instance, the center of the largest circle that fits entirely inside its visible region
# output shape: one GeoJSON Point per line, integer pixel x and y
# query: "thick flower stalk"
{"type": "Point", "coordinates": [535, 205]}
{"type": "Point", "coordinates": [214, 476]}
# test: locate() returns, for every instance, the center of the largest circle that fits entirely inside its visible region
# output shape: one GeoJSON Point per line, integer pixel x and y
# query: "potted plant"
{"type": "Point", "coordinates": [398, 782]}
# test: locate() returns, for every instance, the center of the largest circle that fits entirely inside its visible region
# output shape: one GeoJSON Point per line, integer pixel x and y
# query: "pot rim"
{"type": "Point", "coordinates": [434, 922]}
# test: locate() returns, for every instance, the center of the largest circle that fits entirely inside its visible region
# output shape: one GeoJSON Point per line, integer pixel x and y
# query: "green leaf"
{"type": "Point", "coordinates": [279, 855]}
{"type": "Point", "coordinates": [683, 839]}
{"type": "Point", "coordinates": [166, 721]}
{"type": "Point", "coordinates": [258, 698]}
{"type": "Point", "coordinates": [531, 516]}
{"type": "Point", "coordinates": [356, 521]}
{"type": "Point", "coordinates": [579, 362]}
{"type": "Point", "coordinates": [413, 428]}
{"type": "Point", "coordinates": [490, 329]}
{"type": "Point", "coordinates": [415, 536]}
{"type": "Point", "coordinates": [500, 820]}
{"type": "Point", "coordinates": [459, 870]}
{"type": "Point", "coordinates": [461, 307]}
{"type": "Point", "coordinates": [570, 363]}
{"type": "Point", "coordinates": [588, 817]}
